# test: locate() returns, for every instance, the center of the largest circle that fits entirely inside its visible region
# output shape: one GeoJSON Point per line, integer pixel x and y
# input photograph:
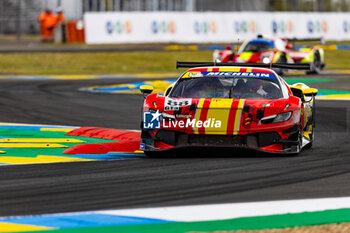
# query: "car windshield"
{"type": "Point", "coordinates": [257, 47]}
{"type": "Point", "coordinates": [227, 87]}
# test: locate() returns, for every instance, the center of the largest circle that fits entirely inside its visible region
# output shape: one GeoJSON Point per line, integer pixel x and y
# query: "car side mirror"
{"type": "Point", "coordinates": [297, 92]}
{"type": "Point", "coordinates": [146, 89]}
{"type": "Point", "coordinates": [310, 92]}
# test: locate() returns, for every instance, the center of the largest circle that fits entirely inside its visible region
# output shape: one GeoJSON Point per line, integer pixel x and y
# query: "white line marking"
{"type": "Point", "coordinates": [234, 210]}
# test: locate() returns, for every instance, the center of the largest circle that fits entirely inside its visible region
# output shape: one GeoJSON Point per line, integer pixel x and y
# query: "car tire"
{"type": "Point", "coordinates": [316, 65]}
{"type": "Point", "coordinates": [309, 145]}
{"type": "Point", "coordinates": [300, 136]}
{"type": "Point", "coordinates": [297, 148]}
{"type": "Point", "coordinates": [281, 60]}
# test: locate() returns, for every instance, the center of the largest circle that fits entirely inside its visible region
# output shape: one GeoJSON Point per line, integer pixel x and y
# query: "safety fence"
{"type": "Point", "coordinates": [211, 27]}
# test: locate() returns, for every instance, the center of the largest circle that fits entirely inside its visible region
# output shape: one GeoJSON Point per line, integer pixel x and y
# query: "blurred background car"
{"type": "Point", "coordinates": [265, 49]}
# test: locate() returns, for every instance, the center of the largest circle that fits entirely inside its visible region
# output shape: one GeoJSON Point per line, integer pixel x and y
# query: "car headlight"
{"type": "Point", "coordinates": [239, 60]}
{"type": "Point", "coordinates": [267, 57]}
{"type": "Point", "coordinates": [282, 117]}
{"type": "Point", "coordinates": [266, 60]}
{"type": "Point", "coordinates": [216, 56]}
{"type": "Point", "coordinates": [217, 60]}
{"type": "Point", "coordinates": [285, 116]}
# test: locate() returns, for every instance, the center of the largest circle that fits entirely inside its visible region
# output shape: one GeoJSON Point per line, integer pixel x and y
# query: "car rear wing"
{"type": "Point", "coordinates": [183, 64]}
{"type": "Point", "coordinates": [294, 39]}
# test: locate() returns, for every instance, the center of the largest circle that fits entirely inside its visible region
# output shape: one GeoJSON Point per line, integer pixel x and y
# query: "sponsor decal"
{"type": "Point", "coordinates": [183, 116]}
{"type": "Point", "coordinates": [209, 123]}
{"type": "Point", "coordinates": [346, 26]}
{"type": "Point", "coordinates": [286, 107]}
{"type": "Point", "coordinates": [282, 26]}
{"type": "Point", "coordinates": [195, 74]}
{"type": "Point", "coordinates": [205, 27]}
{"type": "Point", "coordinates": [167, 116]}
{"type": "Point", "coordinates": [310, 26]}
{"type": "Point", "coordinates": [245, 26]}
{"type": "Point", "coordinates": [251, 114]}
{"type": "Point", "coordinates": [118, 27]}
{"type": "Point", "coordinates": [324, 26]}
{"type": "Point", "coordinates": [142, 146]}
{"type": "Point", "coordinates": [317, 26]}
{"type": "Point", "coordinates": [240, 74]}
{"type": "Point", "coordinates": [151, 120]}
{"type": "Point", "coordinates": [163, 27]}
{"type": "Point", "coordinates": [175, 104]}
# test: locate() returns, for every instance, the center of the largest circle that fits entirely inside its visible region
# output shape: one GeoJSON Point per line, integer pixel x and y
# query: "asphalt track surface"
{"type": "Point", "coordinates": [323, 171]}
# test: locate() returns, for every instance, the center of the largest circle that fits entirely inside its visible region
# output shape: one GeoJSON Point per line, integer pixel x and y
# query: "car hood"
{"type": "Point", "coordinates": [244, 57]}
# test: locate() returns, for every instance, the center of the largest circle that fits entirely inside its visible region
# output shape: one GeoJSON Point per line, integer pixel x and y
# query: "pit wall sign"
{"type": "Point", "coordinates": [211, 27]}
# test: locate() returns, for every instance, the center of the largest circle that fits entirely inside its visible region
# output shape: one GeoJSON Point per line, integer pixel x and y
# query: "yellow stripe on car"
{"type": "Point", "coordinates": [230, 69]}
{"type": "Point", "coordinates": [219, 110]}
{"type": "Point", "coordinates": [238, 116]}
{"type": "Point", "coordinates": [198, 113]}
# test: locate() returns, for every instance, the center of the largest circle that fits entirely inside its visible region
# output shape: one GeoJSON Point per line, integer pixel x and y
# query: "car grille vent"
{"type": "Point", "coordinates": [211, 140]}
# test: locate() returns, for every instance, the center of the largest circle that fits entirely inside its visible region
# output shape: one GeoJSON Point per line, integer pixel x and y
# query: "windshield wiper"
{"type": "Point", "coordinates": [231, 88]}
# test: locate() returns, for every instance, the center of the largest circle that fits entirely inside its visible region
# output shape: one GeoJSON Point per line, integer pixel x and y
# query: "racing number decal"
{"type": "Point", "coordinates": [174, 105]}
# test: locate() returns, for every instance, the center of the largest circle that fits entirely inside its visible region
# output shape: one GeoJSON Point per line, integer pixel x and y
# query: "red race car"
{"type": "Point", "coordinates": [273, 50]}
{"type": "Point", "coordinates": [229, 106]}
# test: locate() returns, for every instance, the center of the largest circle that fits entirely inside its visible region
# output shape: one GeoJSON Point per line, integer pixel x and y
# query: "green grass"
{"type": "Point", "coordinates": [121, 62]}
{"type": "Point", "coordinates": [34, 152]}
{"type": "Point", "coordinates": [337, 59]}
{"type": "Point", "coordinates": [97, 63]}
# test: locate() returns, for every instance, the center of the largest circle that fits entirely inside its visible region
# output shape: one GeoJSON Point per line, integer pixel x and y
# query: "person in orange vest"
{"type": "Point", "coordinates": [60, 15]}
{"type": "Point", "coordinates": [47, 22]}
{"type": "Point", "coordinates": [41, 20]}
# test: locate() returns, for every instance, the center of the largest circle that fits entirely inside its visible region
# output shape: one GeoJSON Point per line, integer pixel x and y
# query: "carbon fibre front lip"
{"type": "Point", "coordinates": [205, 148]}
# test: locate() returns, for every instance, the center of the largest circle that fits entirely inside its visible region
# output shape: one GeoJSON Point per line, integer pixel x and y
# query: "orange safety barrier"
{"type": "Point", "coordinates": [75, 32]}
